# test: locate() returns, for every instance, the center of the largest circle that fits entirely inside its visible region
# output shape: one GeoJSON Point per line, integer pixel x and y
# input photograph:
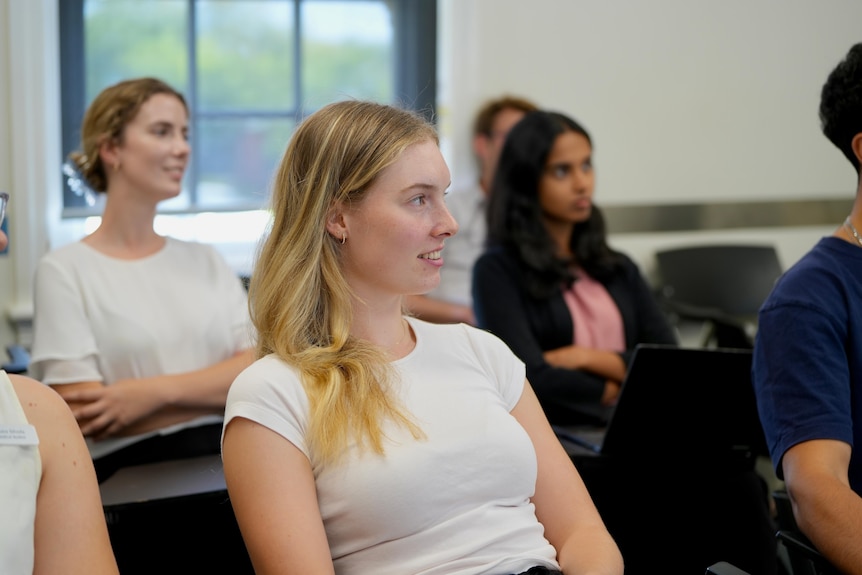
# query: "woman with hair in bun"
{"type": "Point", "coordinates": [140, 333]}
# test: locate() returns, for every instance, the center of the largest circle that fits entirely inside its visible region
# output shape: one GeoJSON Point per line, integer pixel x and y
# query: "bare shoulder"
{"type": "Point", "coordinates": [42, 405]}
{"type": "Point", "coordinates": [46, 410]}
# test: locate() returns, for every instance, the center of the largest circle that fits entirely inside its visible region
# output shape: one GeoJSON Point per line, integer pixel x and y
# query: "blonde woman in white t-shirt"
{"type": "Point", "coordinates": [361, 440]}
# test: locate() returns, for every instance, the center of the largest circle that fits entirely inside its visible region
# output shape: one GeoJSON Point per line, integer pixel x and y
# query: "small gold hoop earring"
{"type": "Point", "coordinates": [343, 237]}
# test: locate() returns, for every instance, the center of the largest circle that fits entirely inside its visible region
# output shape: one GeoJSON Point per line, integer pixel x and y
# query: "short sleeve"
{"type": "Point", "coordinates": [270, 392]}
{"type": "Point", "coordinates": [500, 363]}
{"type": "Point", "coordinates": [64, 346]}
{"type": "Point", "coordinates": [236, 297]}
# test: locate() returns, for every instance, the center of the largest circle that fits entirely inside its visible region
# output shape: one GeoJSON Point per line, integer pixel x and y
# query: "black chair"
{"type": "Point", "coordinates": [804, 557]}
{"type": "Point", "coordinates": [722, 285]}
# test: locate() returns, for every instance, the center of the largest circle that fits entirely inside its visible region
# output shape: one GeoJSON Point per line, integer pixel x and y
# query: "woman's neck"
{"type": "Point", "coordinates": [126, 230]}
{"type": "Point", "coordinates": [561, 234]}
{"type": "Point", "coordinates": [385, 328]}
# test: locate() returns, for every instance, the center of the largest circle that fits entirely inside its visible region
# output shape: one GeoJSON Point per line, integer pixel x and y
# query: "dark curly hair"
{"type": "Point", "coordinates": [841, 104]}
{"type": "Point", "coordinates": [514, 212]}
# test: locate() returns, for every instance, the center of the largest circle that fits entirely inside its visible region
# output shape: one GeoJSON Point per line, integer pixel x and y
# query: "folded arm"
{"type": "Point", "coordinates": [439, 311]}
{"type": "Point", "coordinates": [134, 406]}
{"type": "Point", "coordinates": [606, 363]}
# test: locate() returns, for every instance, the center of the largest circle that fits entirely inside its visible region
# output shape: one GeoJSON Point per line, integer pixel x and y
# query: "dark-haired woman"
{"type": "Point", "coordinates": [549, 285]}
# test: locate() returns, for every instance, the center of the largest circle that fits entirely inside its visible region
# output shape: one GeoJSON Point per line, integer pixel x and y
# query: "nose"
{"type": "Point", "coordinates": [447, 226]}
{"type": "Point", "coordinates": [182, 146]}
{"type": "Point", "coordinates": [582, 181]}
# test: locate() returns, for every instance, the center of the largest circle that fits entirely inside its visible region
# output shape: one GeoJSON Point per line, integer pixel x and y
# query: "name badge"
{"type": "Point", "coordinates": [18, 435]}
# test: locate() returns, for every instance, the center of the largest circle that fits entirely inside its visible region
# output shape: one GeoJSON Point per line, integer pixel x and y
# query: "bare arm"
{"type": "Point", "coordinates": [563, 505]}
{"type": "Point", "coordinates": [827, 510]}
{"type": "Point", "coordinates": [71, 536]}
{"type": "Point", "coordinates": [605, 363]}
{"type": "Point", "coordinates": [273, 494]}
{"type": "Point", "coordinates": [133, 406]}
{"type": "Point", "coordinates": [439, 311]}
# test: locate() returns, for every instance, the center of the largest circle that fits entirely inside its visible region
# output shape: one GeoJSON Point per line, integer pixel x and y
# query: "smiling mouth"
{"type": "Point", "coordinates": [431, 255]}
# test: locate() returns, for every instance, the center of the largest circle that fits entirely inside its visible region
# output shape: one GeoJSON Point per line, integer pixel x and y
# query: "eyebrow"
{"type": "Point", "coordinates": [423, 186]}
{"type": "Point", "coordinates": [168, 124]}
{"type": "Point", "coordinates": [588, 159]}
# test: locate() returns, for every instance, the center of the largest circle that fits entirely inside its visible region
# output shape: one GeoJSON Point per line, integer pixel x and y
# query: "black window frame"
{"type": "Point", "coordinates": [415, 44]}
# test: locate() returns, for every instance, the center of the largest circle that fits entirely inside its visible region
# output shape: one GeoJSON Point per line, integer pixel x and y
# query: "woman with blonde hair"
{"type": "Point", "coordinates": [366, 441]}
{"type": "Point", "coordinates": [140, 333]}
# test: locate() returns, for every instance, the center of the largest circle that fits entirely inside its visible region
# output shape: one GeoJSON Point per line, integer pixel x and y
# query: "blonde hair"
{"type": "Point", "coordinates": [299, 299]}
{"type": "Point", "coordinates": [106, 118]}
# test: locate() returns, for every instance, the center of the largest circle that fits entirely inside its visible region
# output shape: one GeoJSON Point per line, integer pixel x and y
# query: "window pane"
{"type": "Point", "coordinates": [248, 69]}
{"type": "Point", "coordinates": [347, 51]}
{"type": "Point", "coordinates": [245, 55]}
{"type": "Point", "coordinates": [130, 38]}
{"type": "Point", "coordinates": [237, 158]}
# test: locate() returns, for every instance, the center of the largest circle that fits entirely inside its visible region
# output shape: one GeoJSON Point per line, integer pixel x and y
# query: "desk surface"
{"type": "Point", "coordinates": [164, 480]}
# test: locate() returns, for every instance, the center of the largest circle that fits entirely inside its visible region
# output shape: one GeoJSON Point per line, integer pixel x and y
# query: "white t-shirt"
{"type": "Point", "coordinates": [99, 318]}
{"type": "Point", "coordinates": [462, 250]}
{"type": "Point", "coordinates": [456, 503]}
{"type": "Point", "coordinates": [20, 474]}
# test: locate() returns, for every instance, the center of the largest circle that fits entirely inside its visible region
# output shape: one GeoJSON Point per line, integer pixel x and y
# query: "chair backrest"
{"type": "Point", "coordinates": [721, 284]}
{"type": "Point", "coordinates": [722, 280]}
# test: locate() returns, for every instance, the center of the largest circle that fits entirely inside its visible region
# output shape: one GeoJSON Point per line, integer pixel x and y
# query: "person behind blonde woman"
{"type": "Point", "coordinates": [366, 441]}
{"type": "Point", "coordinates": [451, 301]}
{"type": "Point", "coordinates": [140, 333]}
{"type": "Point", "coordinates": [52, 519]}
{"type": "Point", "coordinates": [549, 285]}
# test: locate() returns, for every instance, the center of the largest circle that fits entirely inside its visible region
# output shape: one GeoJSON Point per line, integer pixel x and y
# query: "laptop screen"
{"type": "Point", "coordinates": [688, 404]}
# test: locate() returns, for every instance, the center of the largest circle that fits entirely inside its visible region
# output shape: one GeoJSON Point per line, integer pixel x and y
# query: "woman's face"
{"type": "Point", "coordinates": [566, 185]}
{"type": "Point", "coordinates": [154, 150]}
{"type": "Point", "coordinates": [395, 235]}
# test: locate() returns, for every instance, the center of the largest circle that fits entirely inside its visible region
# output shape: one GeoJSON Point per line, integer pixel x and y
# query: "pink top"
{"type": "Point", "coordinates": [598, 323]}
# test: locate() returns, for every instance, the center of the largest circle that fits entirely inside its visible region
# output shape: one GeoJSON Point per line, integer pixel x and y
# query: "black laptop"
{"type": "Point", "coordinates": [683, 403]}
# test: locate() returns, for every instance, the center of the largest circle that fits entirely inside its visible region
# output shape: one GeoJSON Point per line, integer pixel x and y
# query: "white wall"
{"type": "Point", "coordinates": [686, 100]}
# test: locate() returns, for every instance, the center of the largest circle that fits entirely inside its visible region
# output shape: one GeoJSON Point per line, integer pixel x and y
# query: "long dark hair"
{"type": "Point", "coordinates": [514, 212]}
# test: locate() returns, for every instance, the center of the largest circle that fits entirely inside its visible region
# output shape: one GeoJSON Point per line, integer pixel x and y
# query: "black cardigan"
{"type": "Point", "coordinates": [531, 326]}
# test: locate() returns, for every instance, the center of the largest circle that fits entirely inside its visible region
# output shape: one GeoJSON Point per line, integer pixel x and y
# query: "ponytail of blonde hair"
{"type": "Point", "coordinates": [299, 299]}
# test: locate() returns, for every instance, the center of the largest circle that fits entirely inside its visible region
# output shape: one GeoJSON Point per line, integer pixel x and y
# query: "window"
{"type": "Point", "coordinates": [249, 70]}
